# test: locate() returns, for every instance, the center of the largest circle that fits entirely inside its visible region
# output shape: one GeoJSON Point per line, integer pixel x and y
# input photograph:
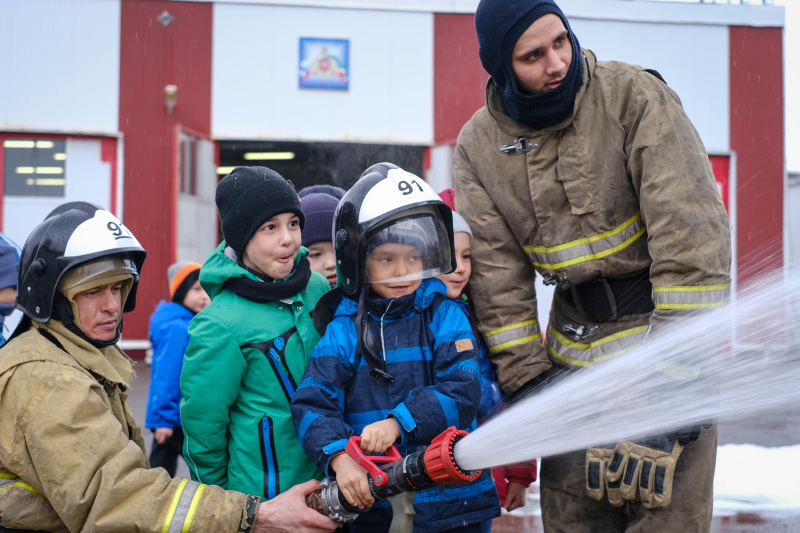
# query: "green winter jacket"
{"type": "Point", "coordinates": [239, 373]}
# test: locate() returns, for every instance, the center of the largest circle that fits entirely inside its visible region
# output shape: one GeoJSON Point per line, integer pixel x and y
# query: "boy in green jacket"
{"type": "Point", "coordinates": [249, 348]}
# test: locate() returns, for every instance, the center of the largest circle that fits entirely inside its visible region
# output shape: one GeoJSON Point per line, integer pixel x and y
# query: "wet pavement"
{"type": "Point", "coordinates": [528, 520]}
{"type": "Point", "coordinates": [770, 429]}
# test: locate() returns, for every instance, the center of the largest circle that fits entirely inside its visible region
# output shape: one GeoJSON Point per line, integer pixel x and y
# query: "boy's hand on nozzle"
{"type": "Point", "coordinates": [352, 481]}
{"type": "Point", "coordinates": [379, 436]}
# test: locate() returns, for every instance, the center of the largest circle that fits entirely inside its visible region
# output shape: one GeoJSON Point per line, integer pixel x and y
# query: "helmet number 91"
{"type": "Point", "coordinates": [119, 232]}
{"type": "Point", "coordinates": [406, 188]}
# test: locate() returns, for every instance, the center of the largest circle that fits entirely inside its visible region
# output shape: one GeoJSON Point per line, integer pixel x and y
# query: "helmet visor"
{"type": "Point", "coordinates": [97, 270]}
{"type": "Point", "coordinates": [410, 248]}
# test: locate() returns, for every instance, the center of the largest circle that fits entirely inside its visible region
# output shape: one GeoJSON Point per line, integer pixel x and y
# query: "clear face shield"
{"type": "Point", "coordinates": [411, 247]}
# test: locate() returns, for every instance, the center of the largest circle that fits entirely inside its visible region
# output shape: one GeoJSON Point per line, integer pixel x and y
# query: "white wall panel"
{"type": "Point", "coordinates": [88, 176]}
{"type": "Point", "coordinates": [59, 62]}
{"type": "Point", "coordinates": [735, 12]}
{"type": "Point", "coordinates": [439, 175]}
{"type": "Point", "coordinates": [255, 82]}
{"type": "Point", "coordinates": [197, 214]}
{"type": "Point", "coordinates": [693, 59]}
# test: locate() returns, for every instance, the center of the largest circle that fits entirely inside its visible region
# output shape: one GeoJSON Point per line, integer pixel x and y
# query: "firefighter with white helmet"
{"type": "Point", "coordinates": [72, 458]}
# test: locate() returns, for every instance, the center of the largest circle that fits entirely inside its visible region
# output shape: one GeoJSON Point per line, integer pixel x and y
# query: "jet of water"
{"type": "Point", "coordinates": [718, 364]}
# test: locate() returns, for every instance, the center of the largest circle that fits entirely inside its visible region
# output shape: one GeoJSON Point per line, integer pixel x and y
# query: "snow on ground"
{"type": "Point", "coordinates": [753, 478]}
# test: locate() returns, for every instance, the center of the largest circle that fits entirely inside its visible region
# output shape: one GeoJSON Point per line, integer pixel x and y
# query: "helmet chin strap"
{"type": "Point", "coordinates": [62, 311]}
{"type": "Point", "coordinates": [368, 343]}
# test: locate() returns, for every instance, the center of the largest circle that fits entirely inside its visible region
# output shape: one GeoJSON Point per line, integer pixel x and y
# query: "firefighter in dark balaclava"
{"type": "Point", "coordinates": [590, 174]}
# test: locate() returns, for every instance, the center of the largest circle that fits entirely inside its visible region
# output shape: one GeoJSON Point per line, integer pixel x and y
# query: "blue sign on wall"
{"type": "Point", "coordinates": [324, 63]}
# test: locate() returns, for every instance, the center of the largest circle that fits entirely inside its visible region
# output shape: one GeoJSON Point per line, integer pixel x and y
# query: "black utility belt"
{"type": "Point", "coordinates": [604, 299]}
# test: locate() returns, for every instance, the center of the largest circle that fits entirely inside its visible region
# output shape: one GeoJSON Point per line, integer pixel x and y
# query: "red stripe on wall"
{"type": "Point", "coordinates": [152, 56]}
{"type": "Point", "coordinates": [459, 81]}
{"type": "Point", "coordinates": [720, 165]}
{"type": "Point", "coordinates": [757, 138]}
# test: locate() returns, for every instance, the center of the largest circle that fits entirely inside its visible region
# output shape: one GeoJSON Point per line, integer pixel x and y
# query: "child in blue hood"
{"type": "Point", "coordinates": [169, 336]}
{"type": "Point", "coordinates": [9, 264]}
{"type": "Point", "coordinates": [397, 364]}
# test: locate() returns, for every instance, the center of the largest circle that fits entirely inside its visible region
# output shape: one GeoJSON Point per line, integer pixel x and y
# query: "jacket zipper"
{"type": "Point", "coordinates": [383, 343]}
{"type": "Point", "coordinates": [268, 458]}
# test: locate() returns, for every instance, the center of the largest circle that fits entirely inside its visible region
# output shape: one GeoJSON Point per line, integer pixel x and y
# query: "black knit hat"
{"type": "Point", "coordinates": [319, 209]}
{"type": "Point", "coordinates": [248, 197]}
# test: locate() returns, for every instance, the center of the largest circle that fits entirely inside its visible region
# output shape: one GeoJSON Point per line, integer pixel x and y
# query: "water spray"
{"type": "Point", "coordinates": [432, 466]}
{"type": "Point", "coordinates": [717, 364]}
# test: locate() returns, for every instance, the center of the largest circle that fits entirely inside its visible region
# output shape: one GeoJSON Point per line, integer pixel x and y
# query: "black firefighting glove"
{"type": "Point", "coordinates": [639, 470]}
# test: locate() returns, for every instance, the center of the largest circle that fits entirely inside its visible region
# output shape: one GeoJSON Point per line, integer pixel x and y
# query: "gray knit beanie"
{"type": "Point", "coordinates": [460, 225]}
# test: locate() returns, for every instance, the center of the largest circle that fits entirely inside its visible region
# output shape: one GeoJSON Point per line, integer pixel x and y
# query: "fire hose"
{"type": "Point", "coordinates": [419, 470]}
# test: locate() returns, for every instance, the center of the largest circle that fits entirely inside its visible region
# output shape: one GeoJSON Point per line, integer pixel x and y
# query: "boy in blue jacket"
{"type": "Point", "coordinates": [397, 363]}
{"type": "Point", "coordinates": [169, 336]}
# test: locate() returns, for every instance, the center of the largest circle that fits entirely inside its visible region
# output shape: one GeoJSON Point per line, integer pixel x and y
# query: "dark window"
{"type": "Point", "coordinates": [34, 167]}
{"type": "Point", "coordinates": [312, 163]}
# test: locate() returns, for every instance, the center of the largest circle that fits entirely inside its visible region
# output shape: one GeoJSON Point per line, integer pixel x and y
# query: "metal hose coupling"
{"type": "Point", "coordinates": [326, 500]}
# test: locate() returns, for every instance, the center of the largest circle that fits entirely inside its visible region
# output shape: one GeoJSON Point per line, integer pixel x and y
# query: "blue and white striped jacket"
{"type": "Point", "coordinates": [435, 386]}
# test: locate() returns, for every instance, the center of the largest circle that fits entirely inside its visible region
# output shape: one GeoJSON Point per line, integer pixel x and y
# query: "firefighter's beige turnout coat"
{"type": "Point", "coordinates": [72, 458]}
{"type": "Point", "coordinates": [621, 186]}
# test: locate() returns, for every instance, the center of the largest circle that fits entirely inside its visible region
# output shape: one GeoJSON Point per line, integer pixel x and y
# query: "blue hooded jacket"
{"type": "Point", "coordinates": [491, 395]}
{"type": "Point", "coordinates": [9, 263]}
{"type": "Point", "coordinates": [169, 335]}
{"type": "Point", "coordinates": [435, 386]}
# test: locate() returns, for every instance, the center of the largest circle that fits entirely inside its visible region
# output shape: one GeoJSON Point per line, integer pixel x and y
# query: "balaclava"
{"type": "Point", "coordinates": [86, 276]}
{"type": "Point", "coordinates": [181, 278]}
{"type": "Point", "coordinates": [318, 209]}
{"type": "Point", "coordinates": [248, 197]}
{"type": "Point", "coordinates": [499, 24]}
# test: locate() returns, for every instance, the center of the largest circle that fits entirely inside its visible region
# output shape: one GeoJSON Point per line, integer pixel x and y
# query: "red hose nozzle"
{"type": "Point", "coordinates": [439, 462]}
{"type": "Point", "coordinates": [369, 462]}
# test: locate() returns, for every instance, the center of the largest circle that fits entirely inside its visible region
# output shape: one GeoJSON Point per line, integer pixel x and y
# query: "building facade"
{"type": "Point", "coordinates": [141, 105]}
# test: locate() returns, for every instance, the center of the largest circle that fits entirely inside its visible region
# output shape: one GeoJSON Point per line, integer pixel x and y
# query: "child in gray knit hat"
{"type": "Point", "coordinates": [512, 481]}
